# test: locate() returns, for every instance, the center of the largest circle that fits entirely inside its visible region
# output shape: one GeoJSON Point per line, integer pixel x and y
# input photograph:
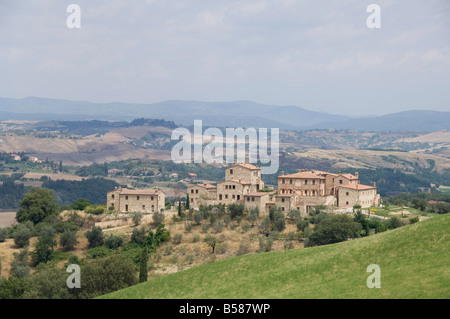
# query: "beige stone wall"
{"type": "Point", "coordinates": [142, 203]}
{"type": "Point", "coordinates": [112, 199]}
{"type": "Point", "coordinates": [349, 197]}
{"type": "Point", "coordinates": [199, 194]}
{"type": "Point", "coordinates": [230, 192]}
{"type": "Point", "coordinates": [257, 201]}
{"type": "Point", "coordinates": [286, 203]}
{"type": "Point", "coordinates": [241, 173]}
{"type": "Point", "coordinates": [312, 187]}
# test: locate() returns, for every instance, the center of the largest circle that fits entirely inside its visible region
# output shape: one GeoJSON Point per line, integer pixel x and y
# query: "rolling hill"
{"type": "Point", "coordinates": [412, 259]}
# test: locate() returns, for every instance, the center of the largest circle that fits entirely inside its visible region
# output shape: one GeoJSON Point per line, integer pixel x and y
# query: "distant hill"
{"type": "Point", "coordinates": [414, 121]}
{"type": "Point", "coordinates": [219, 114]}
{"type": "Point", "coordinates": [236, 113]}
{"type": "Point", "coordinates": [412, 261]}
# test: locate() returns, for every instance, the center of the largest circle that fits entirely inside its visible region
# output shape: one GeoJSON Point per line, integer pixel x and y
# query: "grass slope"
{"type": "Point", "coordinates": [414, 262]}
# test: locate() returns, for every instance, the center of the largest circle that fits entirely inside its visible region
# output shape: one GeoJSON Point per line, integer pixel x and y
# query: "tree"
{"type": "Point", "coordinates": [36, 205]}
{"type": "Point", "coordinates": [19, 265]}
{"type": "Point", "coordinates": [158, 218]}
{"type": "Point", "coordinates": [3, 234]}
{"type": "Point", "coordinates": [80, 204]}
{"type": "Point", "coordinates": [43, 249]}
{"type": "Point", "coordinates": [187, 201]}
{"type": "Point", "coordinates": [22, 236]}
{"type": "Point", "coordinates": [113, 241]}
{"type": "Point", "coordinates": [277, 218]}
{"type": "Point", "coordinates": [334, 229]}
{"type": "Point", "coordinates": [236, 210]}
{"type": "Point", "coordinates": [143, 269]}
{"type": "Point", "coordinates": [12, 288]}
{"type": "Point", "coordinates": [294, 214]}
{"type": "Point", "coordinates": [107, 275]}
{"type": "Point", "coordinates": [253, 215]}
{"type": "Point", "coordinates": [60, 166]}
{"type": "Point", "coordinates": [210, 241]}
{"type": "Point", "coordinates": [95, 237]}
{"type": "Point", "coordinates": [136, 217]}
{"type": "Point", "coordinates": [180, 212]}
{"type": "Point", "coordinates": [68, 240]}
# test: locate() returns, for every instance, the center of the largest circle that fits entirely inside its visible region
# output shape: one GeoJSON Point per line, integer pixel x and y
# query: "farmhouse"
{"type": "Point", "coordinates": [136, 200]}
{"type": "Point", "coordinates": [302, 190]}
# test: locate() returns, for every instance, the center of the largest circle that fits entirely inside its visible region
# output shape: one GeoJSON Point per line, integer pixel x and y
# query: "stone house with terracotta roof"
{"type": "Point", "coordinates": [136, 200]}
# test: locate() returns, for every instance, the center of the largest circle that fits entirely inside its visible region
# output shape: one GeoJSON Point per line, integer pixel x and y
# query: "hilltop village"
{"type": "Point", "coordinates": [302, 191]}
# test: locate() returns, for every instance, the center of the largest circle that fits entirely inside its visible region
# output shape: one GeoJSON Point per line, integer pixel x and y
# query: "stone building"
{"type": "Point", "coordinates": [200, 193]}
{"type": "Point", "coordinates": [136, 200]}
{"type": "Point", "coordinates": [258, 199]}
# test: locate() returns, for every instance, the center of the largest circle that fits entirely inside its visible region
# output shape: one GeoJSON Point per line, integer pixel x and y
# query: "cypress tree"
{"type": "Point", "coordinates": [143, 271]}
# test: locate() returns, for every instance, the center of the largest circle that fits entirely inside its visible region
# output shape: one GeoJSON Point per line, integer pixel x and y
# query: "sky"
{"type": "Point", "coordinates": [316, 54]}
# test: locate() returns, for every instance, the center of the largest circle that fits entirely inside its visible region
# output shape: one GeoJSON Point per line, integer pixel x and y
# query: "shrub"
{"type": "Point", "coordinates": [189, 259]}
{"type": "Point", "coordinates": [139, 236]}
{"type": "Point", "coordinates": [277, 218]}
{"type": "Point", "coordinates": [210, 241]}
{"type": "Point", "coordinates": [205, 228]}
{"type": "Point", "coordinates": [302, 224]}
{"type": "Point", "coordinates": [22, 236]}
{"type": "Point", "coordinates": [412, 220]}
{"type": "Point", "coordinates": [43, 249]}
{"type": "Point", "coordinates": [245, 226]}
{"type": "Point", "coordinates": [253, 215]}
{"type": "Point", "coordinates": [288, 245]}
{"type": "Point", "coordinates": [221, 248]}
{"type": "Point", "coordinates": [98, 252]}
{"type": "Point", "coordinates": [19, 265]}
{"type": "Point", "coordinates": [294, 214]}
{"type": "Point", "coordinates": [80, 204]}
{"type": "Point", "coordinates": [94, 209]}
{"type": "Point", "coordinates": [265, 245]}
{"type": "Point", "coordinates": [95, 237]}
{"type": "Point", "coordinates": [244, 248]}
{"type": "Point", "coordinates": [196, 238]}
{"type": "Point", "coordinates": [236, 210]}
{"type": "Point", "coordinates": [218, 226]}
{"type": "Point", "coordinates": [158, 218]}
{"type": "Point", "coordinates": [188, 227]}
{"type": "Point", "coordinates": [68, 240]}
{"type": "Point", "coordinates": [198, 217]}
{"type": "Point", "coordinates": [334, 229]}
{"type": "Point", "coordinates": [3, 234]}
{"type": "Point", "coordinates": [395, 222]}
{"type": "Point", "coordinates": [113, 241]}
{"type": "Point", "coordinates": [177, 239]}
{"type": "Point", "coordinates": [168, 250]}
{"type": "Point", "coordinates": [136, 217]}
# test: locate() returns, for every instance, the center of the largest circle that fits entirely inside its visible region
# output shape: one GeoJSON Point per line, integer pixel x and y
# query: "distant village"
{"type": "Point", "coordinates": [303, 191]}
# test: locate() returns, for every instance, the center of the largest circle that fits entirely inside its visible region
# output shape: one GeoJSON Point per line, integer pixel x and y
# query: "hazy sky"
{"type": "Point", "coordinates": [316, 54]}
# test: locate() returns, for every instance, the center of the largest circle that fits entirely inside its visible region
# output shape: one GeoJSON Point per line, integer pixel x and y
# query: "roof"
{"type": "Point", "coordinates": [257, 194]}
{"type": "Point", "coordinates": [247, 165]}
{"type": "Point", "coordinates": [204, 185]}
{"type": "Point", "coordinates": [238, 181]}
{"type": "Point", "coordinates": [357, 187]}
{"type": "Point", "coordinates": [304, 175]}
{"type": "Point", "coordinates": [348, 176]}
{"type": "Point", "coordinates": [142, 191]}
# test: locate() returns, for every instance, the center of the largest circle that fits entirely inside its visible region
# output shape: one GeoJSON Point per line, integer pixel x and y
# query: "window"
{"type": "Point", "coordinates": [126, 197]}
{"type": "Point", "coordinates": [253, 199]}
{"type": "Point", "coordinates": [282, 200]}
{"type": "Point", "coordinates": [314, 182]}
{"type": "Point", "coordinates": [290, 181]}
{"type": "Point", "coordinates": [137, 197]}
{"type": "Point", "coordinates": [151, 198]}
{"type": "Point", "coordinates": [306, 193]}
{"type": "Point", "coordinates": [234, 186]}
{"type": "Point", "coordinates": [248, 199]}
{"type": "Point", "coordinates": [340, 181]}
{"type": "Point", "coordinates": [306, 182]}
{"type": "Point", "coordinates": [112, 196]}
{"type": "Point", "coordinates": [226, 196]}
{"type": "Point", "coordinates": [153, 208]}
{"type": "Point", "coordinates": [347, 193]}
{"type": "Point", "coordinates": [192, 191]}
{"type": "Point", "coordinates": [226, 186]}
{"type": "Point", "coordinates": [143, 207]}
{"type": "Point", "coordinates": [238, 197]}
{"type": "Point", "coordinates": [196, 191]}
{"type": "Point", "coordinates": [220, 196]}
{"type": "Point", "coordinates": [282, 209]}
{"type": "Point", "coordinates": [346, 203]}
{"type": "Point", "coordinates": [126, 208]}
{"type": "Point", "coordinates": [231, 172]}
{"type": "Point", "coordinates": [233, 196]}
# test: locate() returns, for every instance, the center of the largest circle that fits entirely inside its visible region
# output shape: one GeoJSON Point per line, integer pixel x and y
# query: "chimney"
{"type": "Point", "coordinates": [282, 173]}
{"type": "Point", "coordinates": [313, 172]}
{"type": "Point", "coordinates": [374, 185]}
{"type": "Point", "coordinates": [356, 174]}
{"type": "Point", "coordinates": [298, 171]}
{"type": "Point", "coordinates": [339, 172]}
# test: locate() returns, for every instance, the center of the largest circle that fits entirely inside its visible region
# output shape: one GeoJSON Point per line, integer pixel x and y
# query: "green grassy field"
{"type": "Point", "coordinates": [414, 262]}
